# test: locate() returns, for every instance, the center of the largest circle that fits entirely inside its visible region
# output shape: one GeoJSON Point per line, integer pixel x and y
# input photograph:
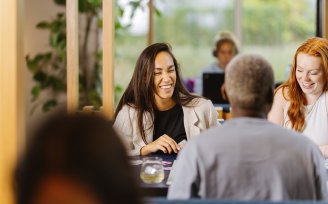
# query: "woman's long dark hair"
{"type": "Point", "coordinates": [140, 91]}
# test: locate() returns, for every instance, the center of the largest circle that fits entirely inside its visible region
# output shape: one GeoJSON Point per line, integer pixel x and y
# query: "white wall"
{"type": "Point", "coordinates": [35, 41]}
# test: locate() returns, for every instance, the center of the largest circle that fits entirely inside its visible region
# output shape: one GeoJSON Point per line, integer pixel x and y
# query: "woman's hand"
{"type": "Point", "coordinates": [163, 143]}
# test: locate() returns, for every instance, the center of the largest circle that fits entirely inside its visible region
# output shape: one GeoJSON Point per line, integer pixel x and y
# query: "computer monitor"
{"type": "Point", "coordinates": [212, 83]}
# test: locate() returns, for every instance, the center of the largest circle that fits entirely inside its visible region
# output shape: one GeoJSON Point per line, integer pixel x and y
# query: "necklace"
{"type": "Point", "coordinates": [308, 108]}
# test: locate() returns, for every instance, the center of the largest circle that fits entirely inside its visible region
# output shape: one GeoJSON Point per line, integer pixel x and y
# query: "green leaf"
{"type": "Point", "coordinates": [54, 40]}
{"type": "Point", "coordinates": [40, 76]}
{"type": "Point", "coordinates": [38, 58]}
{"type": "Point", "coordinates": [57, 84]}
{"type": "Point", "coordinates": [35, 91]}
{"type": "Point", "coordinates": [158, 12]}
{"type": "Point", "coordinates": [58, 26]}
{"type": "Point", "coordinates": [118, 92]}
{"type": "Point", "coordinates": [118, 88]}
{"type": "Point", "coordinates": [33, 108]}
{"type": "Point", "coordinates": [120, 11]}
{"type": "Point", "coordinates": [43, 25]}
{"type": "Point", "coordinates": [83, 6]}
{"type": "Point", "coordinates": [99, 55]}
{"type": "Point", "coordinates": [61, 55]}
{"type": "Point", "coordinates": [33, 64]}
{"type": "Point", "coordinates": [60, 2]}
{"type": "Point", "coordinates": [95, 3]}
{"type": "Point", "coordinates": [99, 22]}
{"type": "Point", "coordinates": [49, 81]}
{"type": "Point", "coordinates": [29, 63]}
{"type": "Point", "coordinates": [135, 4]}
{"type": "Point", "coordinates": [49, 104]}
{"type": "Point", "coordinates": [94, 98]}
{"type": "Point", "coordinates": [47, 56]}
{"type": "Point", "coordinates": [118, 25]}
{"type": "Point", "coordinates": [60, 15]}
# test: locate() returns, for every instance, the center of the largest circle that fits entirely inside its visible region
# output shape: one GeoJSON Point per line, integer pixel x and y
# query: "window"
{"type": "Point", "coordinates": [275, 29]}
{"type": "Point", "coordinates": [272, 28]}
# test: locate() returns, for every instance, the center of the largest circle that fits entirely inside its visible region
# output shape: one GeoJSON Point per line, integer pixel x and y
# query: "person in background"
{"type": "Point", "coordinates": [248, 157]}
{"type": "Point", "coordinates": [301, 103]}
{"type": "Point", "coordinates": [226, 46]}
{"type": "Point", "coordinates": [75, 159]}
{"type": "Point", "coordinates": [156, 112]}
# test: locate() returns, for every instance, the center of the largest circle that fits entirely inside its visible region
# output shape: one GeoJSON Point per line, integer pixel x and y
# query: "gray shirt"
{"type": "Point", "coordinates": [249, 159]}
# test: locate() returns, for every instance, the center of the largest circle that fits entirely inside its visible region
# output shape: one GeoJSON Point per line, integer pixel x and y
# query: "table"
{"type": "Point", "coordinates": [159, 189]}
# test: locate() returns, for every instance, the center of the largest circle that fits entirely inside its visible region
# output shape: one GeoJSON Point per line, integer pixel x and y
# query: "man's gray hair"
{"type": "Point", "coordinates": [249, 82]}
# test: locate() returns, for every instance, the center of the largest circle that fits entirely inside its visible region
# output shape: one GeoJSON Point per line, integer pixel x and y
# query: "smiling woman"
{"type": "Point", "coordinates": [301, 103]}
{"type": "Point", "coordinates": [156, 113]}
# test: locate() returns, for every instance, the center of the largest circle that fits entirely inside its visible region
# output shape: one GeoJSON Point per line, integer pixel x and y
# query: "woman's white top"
{"type": "Point", "coordinates": [316, 120]}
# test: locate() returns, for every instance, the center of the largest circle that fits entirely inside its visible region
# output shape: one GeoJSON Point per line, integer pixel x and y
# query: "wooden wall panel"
{"type": "Point", "coordinates": [72, 56]}
{"type": "Point", "coordinates": [12, 111]}
{"type": "Point", "coordinates": [108, 58]}
{"type": "Point", "coordinates": [325, 19]}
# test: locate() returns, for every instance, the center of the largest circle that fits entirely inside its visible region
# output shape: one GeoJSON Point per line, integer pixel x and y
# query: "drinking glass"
{"type": "Point", "coordinates": [152, 170]}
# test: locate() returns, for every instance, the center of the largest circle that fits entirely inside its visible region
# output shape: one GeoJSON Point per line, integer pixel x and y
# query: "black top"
{"type": "Point", "coordinates": [170, 122]}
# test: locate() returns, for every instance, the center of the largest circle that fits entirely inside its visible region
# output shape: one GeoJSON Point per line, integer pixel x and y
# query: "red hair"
{"type": "Point", "coordinates": [317, 47]}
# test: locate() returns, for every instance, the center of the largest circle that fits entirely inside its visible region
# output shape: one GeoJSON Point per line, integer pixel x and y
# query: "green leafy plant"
{"type": "Point", "coordinates": [49, 68]}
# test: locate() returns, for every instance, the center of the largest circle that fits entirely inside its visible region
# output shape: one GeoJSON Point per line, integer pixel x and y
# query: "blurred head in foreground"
{"type": "Point", "coordinates": [75, 159]}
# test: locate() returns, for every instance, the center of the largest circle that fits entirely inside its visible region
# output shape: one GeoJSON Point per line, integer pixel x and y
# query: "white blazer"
{"type": "Point", "coordinates": [198, 116]}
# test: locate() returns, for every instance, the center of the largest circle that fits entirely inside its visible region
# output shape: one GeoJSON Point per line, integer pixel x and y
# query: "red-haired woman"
{"type": "Point", "coordinates": [301, 103]}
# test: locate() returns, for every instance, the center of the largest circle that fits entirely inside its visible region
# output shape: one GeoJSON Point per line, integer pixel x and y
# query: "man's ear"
{"type": "Point", "coordinates": [224, 93]}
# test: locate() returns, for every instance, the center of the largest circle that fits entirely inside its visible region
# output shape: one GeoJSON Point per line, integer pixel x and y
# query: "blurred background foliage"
{"type": "Point", "coordinates": [264, 22]}
{"type": "Point", "coordinates": [272, 28]}
{"type": "Point", "coordinates": [49, 68]}
{"type": "Point", "coordinates": [277, 21]}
